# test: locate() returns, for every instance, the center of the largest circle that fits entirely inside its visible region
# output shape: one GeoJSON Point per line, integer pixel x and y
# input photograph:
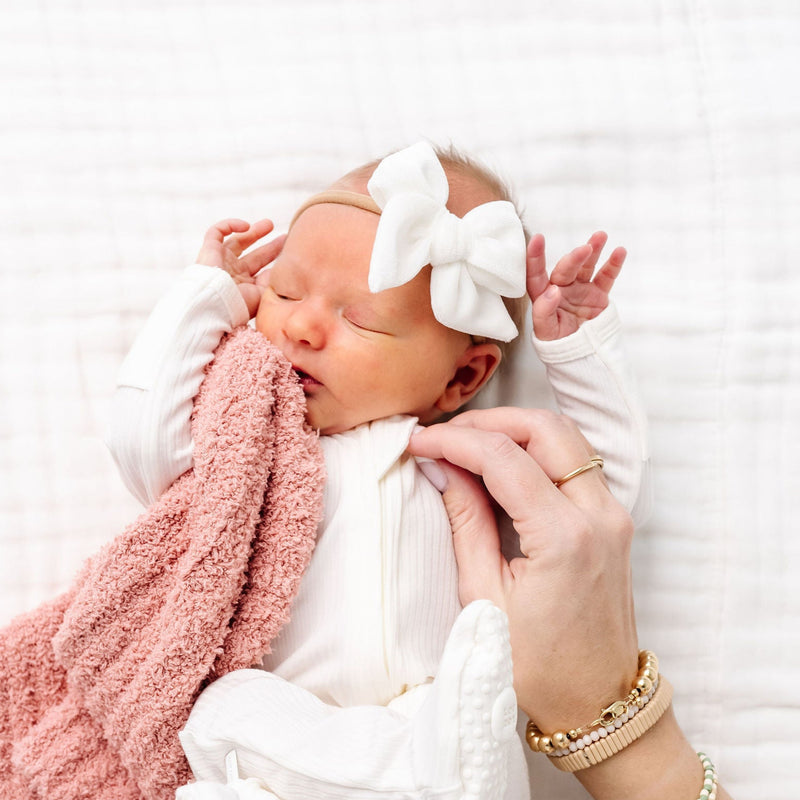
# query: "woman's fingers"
{"type": "Point", "coordinates": [553, 440]}
{"type": "Point", "coordinates": [481, 565]}
{"type": "Point", "coordinates": [569, 600]}
{"type": "Point", "coordinates": [519, 453]}
{"type": "Point", "coordinates": [509, 473]}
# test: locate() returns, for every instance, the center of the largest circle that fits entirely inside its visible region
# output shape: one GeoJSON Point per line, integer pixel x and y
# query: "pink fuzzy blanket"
{"type": "Point", "coordinates": [96, 684]}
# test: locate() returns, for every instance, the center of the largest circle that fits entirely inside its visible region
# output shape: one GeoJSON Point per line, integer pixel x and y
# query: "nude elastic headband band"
{"type": "Point", "coordinates": [476, 260]}
{"type": "Point", "coordinates": [340, 197]}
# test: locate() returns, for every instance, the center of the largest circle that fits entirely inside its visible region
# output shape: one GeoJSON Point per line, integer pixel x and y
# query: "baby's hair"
{"type": "Point", "coordinates": [462, 171]}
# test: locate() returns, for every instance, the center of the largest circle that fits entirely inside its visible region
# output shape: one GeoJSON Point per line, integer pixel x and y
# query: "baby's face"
{"type": "Point", "coordinates": [360, 356]}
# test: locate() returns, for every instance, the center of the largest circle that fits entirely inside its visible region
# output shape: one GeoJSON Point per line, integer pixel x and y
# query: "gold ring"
{"type": "Point", "coordinates": [593, 462]}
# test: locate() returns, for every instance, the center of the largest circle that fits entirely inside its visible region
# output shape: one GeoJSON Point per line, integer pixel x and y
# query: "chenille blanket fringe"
{"type": "Point", "coordinates": [96, 685]}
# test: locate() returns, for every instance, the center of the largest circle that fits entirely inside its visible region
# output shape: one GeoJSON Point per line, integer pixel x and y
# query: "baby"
{"type": "Point", "coordinates": [392, 296]}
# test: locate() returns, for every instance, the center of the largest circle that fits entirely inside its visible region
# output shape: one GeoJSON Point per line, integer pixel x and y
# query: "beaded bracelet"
{"type": "Point", "coordinates": [709, 790]}
{"type": "Point", "coordinates": [611, 718]}
{"type": "Point", "coordinates": [607, 746]}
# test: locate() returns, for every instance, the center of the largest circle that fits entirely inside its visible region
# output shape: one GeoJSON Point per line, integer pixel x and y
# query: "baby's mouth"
{"type": "Point", "coordinates": [306, 380]}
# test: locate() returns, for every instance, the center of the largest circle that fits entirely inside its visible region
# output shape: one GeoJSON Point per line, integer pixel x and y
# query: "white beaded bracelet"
{"type": "Point", "coordinates": [601, 733]}
{"type": "Point", "coordinates": [608, 746]}
{"type": "Point", "coordinates": [563, 744]}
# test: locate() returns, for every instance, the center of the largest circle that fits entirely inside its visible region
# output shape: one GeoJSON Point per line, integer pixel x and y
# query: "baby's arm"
{"type": "Point", "coordinates": [577, 335]}
{"type": "Point", "coordinates": [150, 428]}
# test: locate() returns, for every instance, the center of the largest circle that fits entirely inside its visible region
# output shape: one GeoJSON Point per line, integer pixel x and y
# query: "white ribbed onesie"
{"type": "Point", "coordinates": [377, 602]}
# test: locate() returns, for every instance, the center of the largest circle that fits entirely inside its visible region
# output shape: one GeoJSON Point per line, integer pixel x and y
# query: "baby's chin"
{"type": "Point", "coordinates": [322, 422]}
{"type": "Point", "coordinates": [327, 424]}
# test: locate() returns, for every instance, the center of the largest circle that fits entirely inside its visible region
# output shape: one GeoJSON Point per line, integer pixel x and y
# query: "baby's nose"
{"type": "Point", "coordinates": [305, 325]}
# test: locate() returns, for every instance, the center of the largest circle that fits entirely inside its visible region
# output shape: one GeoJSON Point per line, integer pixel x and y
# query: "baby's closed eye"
{"type": "Point", "coordinates": [282, 292]}
{"type": "Point", "coordinates": [363, 320]}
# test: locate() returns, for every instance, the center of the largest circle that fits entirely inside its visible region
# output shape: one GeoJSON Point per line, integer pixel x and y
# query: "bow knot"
{"type": "Point", "coordinates": [476, 260]}
{"type": "Point", "coordinates": [451, 238]}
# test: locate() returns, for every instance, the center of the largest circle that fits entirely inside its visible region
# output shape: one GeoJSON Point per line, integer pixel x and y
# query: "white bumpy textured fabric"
{"type": "Point", "coordinates": [456, 746]}
{"type": "Point", "coordinates": [476, 260]}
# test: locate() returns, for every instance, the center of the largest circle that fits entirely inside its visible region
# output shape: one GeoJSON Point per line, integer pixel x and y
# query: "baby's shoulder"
{"type": "Point", "coordinates": [372, 448]}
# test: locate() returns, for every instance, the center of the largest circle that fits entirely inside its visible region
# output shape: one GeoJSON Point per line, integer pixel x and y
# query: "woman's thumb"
{"type": "Point", "coordinates": [475, 537]}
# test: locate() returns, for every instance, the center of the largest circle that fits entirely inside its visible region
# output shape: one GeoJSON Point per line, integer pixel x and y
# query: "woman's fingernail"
{"type": "Point", "coordinates": [434, 473]}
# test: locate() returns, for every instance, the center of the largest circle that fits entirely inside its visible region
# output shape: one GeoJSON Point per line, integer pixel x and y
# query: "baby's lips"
{"type": "Point", "coordinates": [305, 378]}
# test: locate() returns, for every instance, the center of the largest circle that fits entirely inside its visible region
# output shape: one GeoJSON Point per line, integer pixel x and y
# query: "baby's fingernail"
{"type": "Point", "coordinates": [434, 473]}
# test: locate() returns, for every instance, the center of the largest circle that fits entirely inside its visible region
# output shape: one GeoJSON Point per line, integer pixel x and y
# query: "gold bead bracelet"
{"type": "Point", "coordinates": [611, 718]}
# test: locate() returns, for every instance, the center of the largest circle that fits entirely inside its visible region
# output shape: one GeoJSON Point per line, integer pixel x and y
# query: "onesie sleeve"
{"type": "Point", "coordinates": [593, 384]}
{"type": "Point", "coordinates": [149, 434]}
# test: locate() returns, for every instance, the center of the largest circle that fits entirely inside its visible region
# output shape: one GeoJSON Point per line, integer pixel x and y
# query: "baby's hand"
{"type": "Point", "coordinates": [223, 246]}
{"type": "Point", "coordinates": [570, 297]}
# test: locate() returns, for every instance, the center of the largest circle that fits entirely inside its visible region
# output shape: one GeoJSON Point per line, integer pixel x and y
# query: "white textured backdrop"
{"type": "Point", "coordinates": [127, 127]}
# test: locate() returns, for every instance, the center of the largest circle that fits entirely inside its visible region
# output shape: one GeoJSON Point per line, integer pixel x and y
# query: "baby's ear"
{"type": "Point", "coordinates": [473, 369]}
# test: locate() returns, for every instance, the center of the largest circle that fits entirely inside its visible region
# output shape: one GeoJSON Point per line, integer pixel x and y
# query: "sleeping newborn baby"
{"type": "Point", "coordinates": [393, 296]}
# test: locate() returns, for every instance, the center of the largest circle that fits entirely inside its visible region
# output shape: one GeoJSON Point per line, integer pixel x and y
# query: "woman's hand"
{"type": "Point", "coordinates": [223, 246]}
{"type": "Point", "coordinates": [568, 599]}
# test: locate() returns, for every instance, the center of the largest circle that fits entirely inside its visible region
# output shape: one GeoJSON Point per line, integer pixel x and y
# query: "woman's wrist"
{"type": "Point", "coordinates": [634, 748]}
{"type": "Point", "coordinates": [661, 765]}
{"type": "Point", "coordinates": [580, 747]}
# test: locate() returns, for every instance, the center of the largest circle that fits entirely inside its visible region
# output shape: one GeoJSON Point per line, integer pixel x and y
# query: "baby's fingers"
{"type": "Point", "coordinates": [237, 234]}
{"type": "Point", "coordinates": [536, 268]}
{"type": "Point", "coordinates": [214, 239]}
{"type": "Point", "coordinates": [608, 273]}
{"type": "Point", "coordinates": [219, 230]}
{"type": "Point", "coordinates": [259, 258]}
{"type": "Point", "coordinates": [544, 311]}
{"type": "Point", "coordinates": [573, 265]}
{"type": "Point", "coordinates": [597, 241]}
{"type": "Point", "coordinates": [258, 230]}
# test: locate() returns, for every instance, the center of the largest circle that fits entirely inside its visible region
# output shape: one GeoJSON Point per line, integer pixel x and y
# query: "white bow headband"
{"type": "Point", "coordinates": [476, 260]}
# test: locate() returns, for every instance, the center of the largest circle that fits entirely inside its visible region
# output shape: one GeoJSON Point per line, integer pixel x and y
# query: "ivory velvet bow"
{"type": "Point", "coordinates": [476, 260]}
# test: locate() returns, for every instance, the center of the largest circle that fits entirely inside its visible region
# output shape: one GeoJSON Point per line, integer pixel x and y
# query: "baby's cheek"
{"type": "Point", "coordinates": [265, 315]}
